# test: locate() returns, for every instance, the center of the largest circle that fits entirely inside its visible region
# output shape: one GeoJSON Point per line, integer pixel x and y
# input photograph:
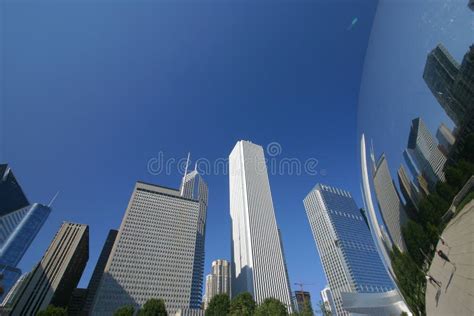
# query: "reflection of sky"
{"type": "Point", "coordinates": [393, 91]}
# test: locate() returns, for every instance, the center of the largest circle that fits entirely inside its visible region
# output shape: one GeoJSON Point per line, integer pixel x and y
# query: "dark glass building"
{"type": "Point", "coordinates": [12, 197]}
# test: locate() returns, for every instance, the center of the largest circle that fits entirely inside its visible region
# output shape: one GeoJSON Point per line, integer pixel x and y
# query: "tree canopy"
{"type": "Point", "coordinates": [218, 306]}
{"type": "Point", "coordinates": [271, 307]}
{"type": "Point", "coordinates": [126, 310]}
{"type": "Point", "coordinates": [242, 305]}
{"type": "Point", "coordinates": [52, 311]}
{"type": "Point", "coordinates": [153, 307]}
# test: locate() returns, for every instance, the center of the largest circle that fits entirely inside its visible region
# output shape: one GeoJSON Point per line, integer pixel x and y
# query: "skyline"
{"type": "Point", "coordinates": [104, 108]}
{"type": "Point", "coordinates": [101, 126]}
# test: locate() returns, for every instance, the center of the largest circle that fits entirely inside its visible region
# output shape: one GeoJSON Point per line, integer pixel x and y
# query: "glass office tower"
{"type": "Point", "coordinates": [18, 229]}
{"type": "Point", "coordinates": [20, 222]}
{"type": "Point", "coordinates": [356, 275]}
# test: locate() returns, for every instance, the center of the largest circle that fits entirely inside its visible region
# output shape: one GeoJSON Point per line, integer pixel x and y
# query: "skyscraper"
{"type": "Point", "coordinates": [357, 278]}
{"type": "Point", "coordinates": [12, 197]}
{"type": "Point", "coordinates": [429, 159]}
{"type": "Point", "coordinates": [218, 281]}
{"type": "Point", "coordinates": [445, 139]}
{"type": "Point", "coordinates": [18, 229]}
{"type": "Point", "coordinates": [302, 298]}
{"type": "Point", "coordinates": [99, 270]}
{"type": "Point", "coordinates": [391, 207]}
{"type": "Point", "coordinates": [159, 249]}
{"type": "Point", "coordinates": [258, 266]}
{"type": "Point", "coordinates": [53, 280]}
{"type": "Point", "coordinates": [410, 192]}
{"type": "Point", "coordinates": [440, 73]}
{"type": "Point", "coordinates": [20, 222]}
{"type": "Point", "coordinates": [328, 302]}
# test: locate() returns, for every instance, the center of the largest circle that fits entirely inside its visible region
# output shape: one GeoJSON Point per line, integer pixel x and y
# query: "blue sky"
{"type": "Point", "coordinates": [92, 91]}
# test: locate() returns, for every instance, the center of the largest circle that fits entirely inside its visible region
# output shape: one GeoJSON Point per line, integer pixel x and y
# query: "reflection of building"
{"type": "Point", "coordinates": [410, 192]}
{"type": "Point", "coordinates": [257, 256]}
{"type": "Point", "coordinates": [386, 239]}
{"type": "Point", "coordinates": [302, 298]}
{"type": "Point", "coordinates": [99, 270]}
{"type": "Point", "coordinates": [218, 281]}
{"type": "Point", "coordinates": [328, 301]}
{"type": "Point", "coordinates": [20, 222]}
{"type": "Point", "coordinates": [348, 254]}
{"type": "Point", "coordinates": [451, 84]}
{"type": "Point", "coordinates": [445, 139]}
{"type": "Point", "coordinates": [158, 249]}
{"type": "Point", "coordinates": [429, 159]}
{"type": "Point", "coordinates": [391, 207]}
{"type": "Point", "coordinates": [53, 280]}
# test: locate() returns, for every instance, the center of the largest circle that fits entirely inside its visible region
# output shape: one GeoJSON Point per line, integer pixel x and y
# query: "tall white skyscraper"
{"type": "Point", "coordinates": [218, 281]}
{"type": "Point", "coordinates": [391, 207]}
{"type": "Point", "coordinates": [258, 265]}
{"type": "Point", "coordinates": [159, 250]}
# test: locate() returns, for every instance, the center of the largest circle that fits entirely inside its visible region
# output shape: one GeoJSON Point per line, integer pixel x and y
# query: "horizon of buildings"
{"type": "Point", "coordinates": [451, 84]}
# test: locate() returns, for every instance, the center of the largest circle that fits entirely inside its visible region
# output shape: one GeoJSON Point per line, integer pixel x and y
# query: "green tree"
{"type": "Point", "coordinates": [52, 311]}
{"type": "Point", "coordinates": [218, 306]}
{"type": "Point", "coordinates": [127, 310]}
{"type": "Point", "coordinates": [415, 239]}
{"type": "Point", "coordinates": [410, 280]}
{"type": "Point", "coordinates": [307, 309]}
{"type": "Point", "coordinates": [153, 307]}
{"type": "Point", "coordinates": [271, 307]}
{"type": "Point", "coordinates": [242, 305]}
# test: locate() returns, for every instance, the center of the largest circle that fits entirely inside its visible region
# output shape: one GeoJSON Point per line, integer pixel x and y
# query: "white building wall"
{"type": "Point", "coordinates": [258, 263]}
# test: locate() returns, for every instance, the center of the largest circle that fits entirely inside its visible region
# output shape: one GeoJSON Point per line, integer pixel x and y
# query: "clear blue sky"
{"type": "Point", "coordinates": [92, 91]}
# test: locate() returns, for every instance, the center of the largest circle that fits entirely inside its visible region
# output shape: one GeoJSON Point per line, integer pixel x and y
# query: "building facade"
{"type": "Point", "coordinates": [218, 281]}
{"type": "Point", "coordinates": [327, 300]}
{"type": "Point", "coordinates": [429, 159]}
{"type": "Point", "coordinates": [347, 251]}
{"type": "Point", "coordinates": [158, 249]}
{"type": "Point", "coordinates": [20, 222]}
{"type": "Point", "coordinates": [258, 266]}
{"type": "Point", "coordinates": [99, 270]}
{"type": "Point", "coordinates": [18, 229]}
{"type": "Point", "coordinates": [55, 277]}
{"type": "Point", "coordinates": [391, 207]}
{"type": "Point", "coordinates": [12, 197]}
{"type": "Point", "coordinates": [445, 139]}
{"type": "Point", "coordinates": [410, 192]}
{"type": "Point", "coordinates": [301, 299]}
